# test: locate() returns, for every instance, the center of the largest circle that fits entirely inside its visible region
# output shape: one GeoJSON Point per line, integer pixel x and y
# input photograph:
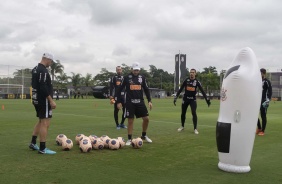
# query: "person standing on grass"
{"type": "Point", "coordinates": [135, 84]}
{"type": "Point", "coordinates": [189, 98]}
{"type": "Point", "coordinates": [115, 83]}
{"type": "Point", "coordinates": [57, 94]}
{"type": "Point", "coordinates": [42, 94]}
{"type": "Point", "coordinates": [265, 98]}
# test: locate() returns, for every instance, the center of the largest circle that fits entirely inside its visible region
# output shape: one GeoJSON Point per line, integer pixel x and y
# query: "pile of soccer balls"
{"type": "Point", "coordinates": [63, 141]}
{"type": "Point", "coordinates": [86, 144]}
{"type": "Point", "coordinates": [93, 142]}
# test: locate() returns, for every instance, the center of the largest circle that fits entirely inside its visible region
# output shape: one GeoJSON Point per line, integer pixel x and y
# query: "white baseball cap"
{"type": "Point", "coordinates": [136, 66]}
{"type": "Point", "coordinates": [49, 56]}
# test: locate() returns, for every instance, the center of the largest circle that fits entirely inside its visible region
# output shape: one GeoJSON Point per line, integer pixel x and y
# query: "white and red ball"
{"type": "Point", "coordinates": [92, 137]}
{"type": "Point", "coordinates": [137, 143]}
{"type": "Point", "coordinates": [104, 137]}
{"type": "Point", "coordinates": [84, 137]}
{"type": "Point", "coordinates": [60, 138]}
{"type": "Point", "coordinates": [98, 144]}
{"type": "Point", "coordinates": [78, 137]}
{"type": "Point", "coordinates": [106, 140]}
{"type": "Point", "coordinates": [85, 145]}
{"type": "Point", "coordinates": [121, 141]}
{"type": "Point", "coordinates": [114, 144]}
{"type": "Point", "coordinates": [67, 144]}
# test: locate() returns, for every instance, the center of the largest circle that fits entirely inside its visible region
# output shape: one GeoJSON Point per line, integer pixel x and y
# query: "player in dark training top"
{"type": "Point", "coordinates": [189, 98]}
{"type": "Point", "coordinates": [114, 84]}
{"type": "Point", "coordinates": [135, 84]}
{"type": "Point", "coordinates": [42, 99]}
{"type": "Point", "coordinates": [265, 98]}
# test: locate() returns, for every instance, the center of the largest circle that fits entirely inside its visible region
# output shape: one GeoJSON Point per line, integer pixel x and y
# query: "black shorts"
{"type": "Point", "coordinates": [137, 109]}
{"type": "Point", "coordinates": [43, 111]}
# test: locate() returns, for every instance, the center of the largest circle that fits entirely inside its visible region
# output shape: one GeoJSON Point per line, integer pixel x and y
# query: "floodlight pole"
{"type": "Point", "coordinates": [8, 90]}
{"type": "Point", "coordinates": [161, 80]}
{"type": "Point", "coordinates": [22, 82]}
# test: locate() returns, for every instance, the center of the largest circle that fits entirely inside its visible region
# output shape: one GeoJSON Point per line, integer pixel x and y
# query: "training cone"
{"type": "Point", "coordinates": [3, 107]}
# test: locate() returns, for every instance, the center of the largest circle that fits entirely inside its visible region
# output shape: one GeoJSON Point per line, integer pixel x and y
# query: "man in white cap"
{"type": "Point", "coordinates": [42, 93]}
{"type": "Point", "coordinates": [134, 85]}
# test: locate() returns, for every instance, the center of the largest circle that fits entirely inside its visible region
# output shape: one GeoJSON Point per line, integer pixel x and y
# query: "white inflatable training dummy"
{"type": "Point", "coordinates": [238, 113]}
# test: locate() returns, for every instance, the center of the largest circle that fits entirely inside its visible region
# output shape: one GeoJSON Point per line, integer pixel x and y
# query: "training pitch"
{"type": "Point", "coordinates": [172, 157]}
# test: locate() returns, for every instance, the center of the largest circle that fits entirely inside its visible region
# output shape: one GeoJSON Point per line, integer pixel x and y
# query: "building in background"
{"type": "Point", "coordinates": [275, 77]}
{"type": "Point", "coordinates": [180, 73]}
{"type": "Point", "coordinates": [176, 73]}
{"type": "Point", "coordinates": [183, 70]}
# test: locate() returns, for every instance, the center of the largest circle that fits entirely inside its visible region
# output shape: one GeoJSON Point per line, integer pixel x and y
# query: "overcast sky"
{"type": "Point", "coordinates": [88, 35]}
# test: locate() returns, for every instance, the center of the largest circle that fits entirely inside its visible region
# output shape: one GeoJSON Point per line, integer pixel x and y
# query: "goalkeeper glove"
{"type": "Point", "coordinates": [209, 102]}
{"type": "Point", "coordinates": [174, 101]}
{"type": "Point", "coordinates": [265, 104]}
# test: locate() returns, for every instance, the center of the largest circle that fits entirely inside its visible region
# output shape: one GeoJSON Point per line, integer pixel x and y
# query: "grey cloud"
{"type": "Point", "coordinates": [9, 47]}
{"type": "Point", "coordinates": [121, 50]}
{"type": "Point", "coordinates": [102, 32]}
{"type": "Point", "coordinates": [4, 32]}
{"type": "Point", "coordinates": [110, 12]}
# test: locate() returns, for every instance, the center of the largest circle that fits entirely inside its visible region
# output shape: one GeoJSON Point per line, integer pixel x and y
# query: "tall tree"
{"type": "Point", "coordinates": [75, 80]}
{"type": "Point", "coordinates": [62, 80]}
{"type": "Point", "coordinates": [22, 76]}
{"type": "Point", "coordinates": [210, 69]}
{"type": "Point", "coordinates": [87, 81]}
{"type": "Point", "coordinates": [125, 69]}
{"type": "Point", "coordinates": [26, 72]}
{"type": "Point", "coordinates": [210, 79]}
{"type": "Point", "coordinates": [56, 68]}
{"type": "Point", "coordinates": [103, 78]}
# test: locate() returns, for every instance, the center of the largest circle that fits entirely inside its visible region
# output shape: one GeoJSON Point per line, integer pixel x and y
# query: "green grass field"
{"type": "Point", "coordinates": [172, 157]}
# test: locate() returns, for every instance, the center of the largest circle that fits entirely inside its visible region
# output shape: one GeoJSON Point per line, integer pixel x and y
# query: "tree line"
{"type": "Point", "coordinates": [156, 78]}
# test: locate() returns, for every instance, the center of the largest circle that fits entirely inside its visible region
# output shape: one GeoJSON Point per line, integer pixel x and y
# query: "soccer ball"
{"type": "Point", "coordinates": [98, 144]}
{"type": "Point", "coordinates": [106, 140]}
{"type": "Point", "coordinates": [77, 138]}
{"type": "Point", "coordinates": [85, 145]}
{"type": "Point", "coordinates": [60, 138]}
{"type": "Point", "coordinates": [92, 137]}
{"type": "Point", "coordinates": [114, 144]}
{"type": "Point", "coordinates": [84, 137]}
{"type": "Point", "coordinates": [121, 141]}
{"type": "Point", "coordinates": [137, 143]}
{"type": "Point", "coordinates": [67, 144]}
{"type": "Point", "coordinates": [104, 137]}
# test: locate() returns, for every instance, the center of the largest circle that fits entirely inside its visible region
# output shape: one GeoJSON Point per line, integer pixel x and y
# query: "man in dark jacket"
{"type": "Point", "coordinates": [42, 94]}
{"type": "Point", "coordinates": [134, 85]}
{"type": "Point", "coordinates": [190, 86]}
{"type": "Point", "coordinates": [265, 98]}
{"type": "Point", "coordinates": [115, 83]}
